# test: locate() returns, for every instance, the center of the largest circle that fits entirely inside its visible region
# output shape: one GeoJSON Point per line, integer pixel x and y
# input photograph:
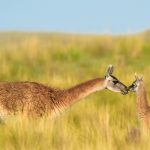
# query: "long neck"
{"type": "Point", "coordinates": [82, 90]}
{"type": "Point", "coordinates": [142, 103]}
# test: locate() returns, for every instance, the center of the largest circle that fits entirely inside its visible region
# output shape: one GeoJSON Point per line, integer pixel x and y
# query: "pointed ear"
{"type": "Point", "coordinates": [136, 76]}
{"type": "Point", "coordinates": [110, 70]}
{"type": "Point", "coordinates": [141, 78]}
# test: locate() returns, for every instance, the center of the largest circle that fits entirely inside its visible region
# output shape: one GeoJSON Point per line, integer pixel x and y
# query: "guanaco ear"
{"type": "Point", "coordinates": [110, 70]}
{"type": "Point", "coordinates": [138, 78]}
{"type": "Point", "coordinates": [141, 78]}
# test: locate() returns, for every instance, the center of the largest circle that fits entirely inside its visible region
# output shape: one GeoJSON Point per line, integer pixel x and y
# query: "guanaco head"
{"type": "Point", "coordinates": [113, 83]}
{"type": "Point", "coordinates": [135, 84]}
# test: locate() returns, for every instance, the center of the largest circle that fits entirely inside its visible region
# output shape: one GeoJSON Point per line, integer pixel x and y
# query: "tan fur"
{"type": "Point", "coordinates": [143, 108]}
{"type": "Point", "coordinates": [35, 99]}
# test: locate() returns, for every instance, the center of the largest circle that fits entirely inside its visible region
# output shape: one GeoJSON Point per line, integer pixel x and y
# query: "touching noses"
{"type": "Point", "coordinates": [125, 90]}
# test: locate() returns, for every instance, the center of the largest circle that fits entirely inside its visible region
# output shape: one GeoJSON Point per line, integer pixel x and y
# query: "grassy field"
{"type": "Point", "coordinates": [101, 121]}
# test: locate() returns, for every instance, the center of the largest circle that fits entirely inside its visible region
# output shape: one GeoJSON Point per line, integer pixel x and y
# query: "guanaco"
{"type": "Point", "coordinates": [143, 109]}
{"type": "Point", "coordinates": [36, 99]}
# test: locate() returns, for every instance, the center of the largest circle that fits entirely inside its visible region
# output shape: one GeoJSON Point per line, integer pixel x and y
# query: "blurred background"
{"type": "Point", "coordinates": [63, 43]}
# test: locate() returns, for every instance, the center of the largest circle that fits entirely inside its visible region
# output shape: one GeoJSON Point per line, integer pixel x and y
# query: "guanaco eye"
{"type": "Point", "coordinates": [134, 85]}
{"type": "Point", "coordinates": [115, 82]}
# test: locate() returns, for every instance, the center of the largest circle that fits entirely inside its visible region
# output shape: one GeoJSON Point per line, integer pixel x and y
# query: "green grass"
{"type": "Point", "coordinates": [101, 121]}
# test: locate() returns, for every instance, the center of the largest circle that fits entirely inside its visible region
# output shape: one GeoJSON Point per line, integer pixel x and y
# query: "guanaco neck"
{"type": "Point", "coordinates": [142, 103]}
{"type": "Point", "coordinates": [82, 90]}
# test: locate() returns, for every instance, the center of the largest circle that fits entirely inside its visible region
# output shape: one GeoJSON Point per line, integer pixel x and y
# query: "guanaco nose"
{"type": "Point", "coordinates": [125, 90]}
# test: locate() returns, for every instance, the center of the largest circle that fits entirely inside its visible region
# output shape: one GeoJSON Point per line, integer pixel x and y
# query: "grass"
{"type": "Point", "coordinates": [101, 121]}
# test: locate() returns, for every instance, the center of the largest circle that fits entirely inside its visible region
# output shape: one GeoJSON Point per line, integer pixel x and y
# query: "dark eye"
{"type": "Point", "coordinates": [115, 82]}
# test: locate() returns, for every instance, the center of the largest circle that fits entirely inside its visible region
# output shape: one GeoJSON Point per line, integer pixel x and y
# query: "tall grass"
{"type": "Point", "coordinates": [101, 121]}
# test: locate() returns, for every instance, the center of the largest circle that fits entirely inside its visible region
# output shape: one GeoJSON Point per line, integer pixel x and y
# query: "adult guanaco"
{"type": "Point", "coordinates": [36, 99]}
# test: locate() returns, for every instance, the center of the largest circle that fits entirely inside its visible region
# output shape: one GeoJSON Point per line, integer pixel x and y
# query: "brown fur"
{"type": "Point", "coordinates": [142, 105]}
{"type": "Point", "coordinates": [35, 99]}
